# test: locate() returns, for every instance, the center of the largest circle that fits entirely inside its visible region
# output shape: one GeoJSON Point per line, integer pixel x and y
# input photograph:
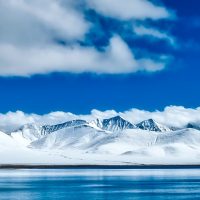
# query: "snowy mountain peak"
{"type": "Point", "coordinates": [152, 125]}
{"type": "Point", "coordinates": [114, 124]}
{"type": "Point", "coordinates": [116, 118]}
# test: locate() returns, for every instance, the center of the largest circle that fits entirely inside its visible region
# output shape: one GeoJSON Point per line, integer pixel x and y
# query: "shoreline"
{"type": "Point", "coordinates": [137, 166]}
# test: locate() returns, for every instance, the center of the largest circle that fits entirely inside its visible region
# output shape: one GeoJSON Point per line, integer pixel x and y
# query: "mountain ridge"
{"type": "Point", "coordinates": [113, 124]}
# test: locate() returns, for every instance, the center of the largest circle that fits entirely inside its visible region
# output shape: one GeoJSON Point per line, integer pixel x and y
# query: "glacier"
{"type": "Point", "coordinates": [112, 141]}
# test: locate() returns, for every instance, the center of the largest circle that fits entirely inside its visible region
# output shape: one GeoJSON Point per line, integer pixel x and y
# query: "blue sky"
{"type": "Point", "coordinates": [143, 61]}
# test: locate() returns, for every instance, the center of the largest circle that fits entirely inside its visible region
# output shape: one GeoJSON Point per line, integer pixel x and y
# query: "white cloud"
{"type": "Point", "coordinates": [117, 58]}
{"type": "Point", "coordinates": [29, 30]}
{"type": "Point", "coordinates": [130, 9]}
{"type": "Point", "coordinates": [49, 17]}
{"type": "Point", "coordinates": [151, 32]}
{"type": "Point", "coordinates": [176, 116]}
{"type": "Point", "coordinates": [13, 120]}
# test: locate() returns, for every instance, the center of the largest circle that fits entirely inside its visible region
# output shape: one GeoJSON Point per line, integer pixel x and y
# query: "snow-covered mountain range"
{"type": "Point", "coordinates": [112, 138]}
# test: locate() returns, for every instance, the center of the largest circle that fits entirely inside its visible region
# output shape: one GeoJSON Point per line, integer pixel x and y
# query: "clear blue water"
{"type": "Point", "coordinates": [89, 184]}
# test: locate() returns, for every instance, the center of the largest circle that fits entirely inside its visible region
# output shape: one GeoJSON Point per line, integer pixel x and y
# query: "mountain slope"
{"type": "Point", "coordinates": [136, 141]}
{"type": "Point", "coordinates": [6, 141]}
{"type": "Point", "coordinates": [27, 134]}
{"type": "Point", "coordinates": [78, 137]}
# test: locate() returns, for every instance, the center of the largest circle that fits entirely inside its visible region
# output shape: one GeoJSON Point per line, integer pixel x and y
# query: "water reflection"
{"type": "Point", "coordinates": [100, 184]}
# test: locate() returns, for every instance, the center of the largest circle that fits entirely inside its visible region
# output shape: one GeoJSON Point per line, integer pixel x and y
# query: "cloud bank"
{"type": "Point", "coordinates": [175, 116]}
{"type": "Point", "coordinates": [39, 37]}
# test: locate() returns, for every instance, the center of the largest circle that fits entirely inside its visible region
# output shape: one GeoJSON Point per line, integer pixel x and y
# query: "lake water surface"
{"type": "Point", "coordinates": [90, 184]}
